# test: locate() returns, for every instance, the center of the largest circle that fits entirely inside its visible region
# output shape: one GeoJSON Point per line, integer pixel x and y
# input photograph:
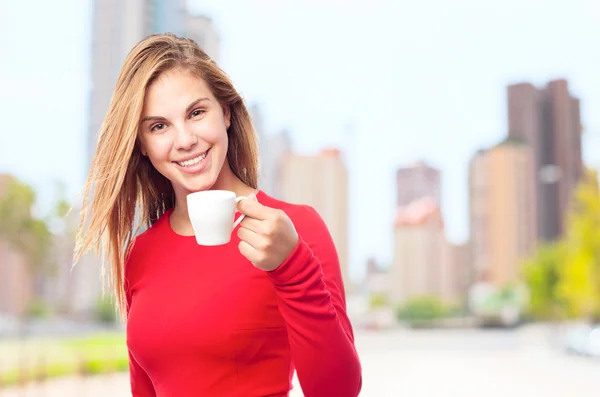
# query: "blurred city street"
{"type": "Point", "coordinates": [451, 149]}
{"type": "Point", "coordinates": [461, 363]}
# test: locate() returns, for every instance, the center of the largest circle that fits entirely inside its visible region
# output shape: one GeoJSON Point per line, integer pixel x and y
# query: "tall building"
{"type": "Point", "coordinates": [167, 15]}
{"type": "Point", "coordinates": [548, 119]}
{"type": "Point", "coordinates": [502, 211]}
{"type": "Point", "coordinates": [479, 214]}
{"type": "Point", "coordinates": [455, 272]}
{"type": "Point", "coordinates": [16, 281]}
{"type": "Point", "coordinates": [419, 241]}
{"type": "Point", "coordinates": [202, 30]}
{"type": "Point", "coordinates": [321, 182]}
{"type": "Point", "coordinates": [417, 181]}
{"type": "Point", "coordinates": [263, 147]}
{"type": "Point", "coordinates": [274, 149]}
{"type": "Point", "coordinates": [377, 279]}
{"type": "Point", "coordinates": [116, 27]}
{"type": "Point", "coordinates": [275, 152]}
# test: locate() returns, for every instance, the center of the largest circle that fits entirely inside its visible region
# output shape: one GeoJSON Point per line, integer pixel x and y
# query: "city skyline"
{"type": "Point", "coordinates": [421, 105]}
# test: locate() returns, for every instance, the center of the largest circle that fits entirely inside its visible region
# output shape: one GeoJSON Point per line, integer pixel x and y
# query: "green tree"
{"type": "Point", "coordinates": [24, 232]}
{"type": "Point", "coordinates": [579, 279]}
{"type": "Point", "coordinates": [106, 310]}
{"type": "Point", "coordinates": [564, 277]}
{"type": "Point", "coordinates": [541, 273]}
{"type": "Point", "coordinates": [20, 229]}
{"type": "Point", "coordinates": [377, 301]}
{"type": "Point", "coordinates": [421, 309]}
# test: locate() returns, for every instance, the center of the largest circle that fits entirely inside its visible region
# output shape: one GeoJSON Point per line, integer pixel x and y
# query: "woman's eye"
{"type": "Point", "coordinates": [156, 127]}
{"type": "Point", "coordinates": [196, 113]}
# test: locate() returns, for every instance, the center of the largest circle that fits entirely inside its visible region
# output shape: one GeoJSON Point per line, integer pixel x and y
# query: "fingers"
{"type": "Point", "coordinates": [252, 224]}
{"type": "Point", "coordinates": [252, 238]}
{"type": "Point", "coordinates": [267, 235]}
{"type": "Point", "coordinates": [254, 209]}
{"type": "Point", "coordinates": [251, 253]}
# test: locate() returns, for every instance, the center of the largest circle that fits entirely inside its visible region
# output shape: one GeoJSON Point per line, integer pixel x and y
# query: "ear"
{"type": "Point", "coordinates": [143, 150]}
{"type": "Point", "coordinates": [227, 116]}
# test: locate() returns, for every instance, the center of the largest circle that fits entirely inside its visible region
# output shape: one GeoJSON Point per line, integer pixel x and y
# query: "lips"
{"type": "Point", "coordinates": [193, 161]}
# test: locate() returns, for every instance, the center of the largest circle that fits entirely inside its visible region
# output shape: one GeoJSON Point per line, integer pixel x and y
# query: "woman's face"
{"type": "Point", "coordinates": [183, 131]}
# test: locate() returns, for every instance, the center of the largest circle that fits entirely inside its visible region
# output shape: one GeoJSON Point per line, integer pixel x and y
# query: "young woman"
{"type": "Point", "coordinates": [229, 320]}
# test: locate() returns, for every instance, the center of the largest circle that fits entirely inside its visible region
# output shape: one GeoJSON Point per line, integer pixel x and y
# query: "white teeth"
{"type": "Point", "coordinates": [189, 163]}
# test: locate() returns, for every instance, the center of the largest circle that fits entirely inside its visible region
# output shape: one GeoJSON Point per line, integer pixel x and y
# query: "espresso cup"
{"type": "Point", "coordinates": [212, 213]}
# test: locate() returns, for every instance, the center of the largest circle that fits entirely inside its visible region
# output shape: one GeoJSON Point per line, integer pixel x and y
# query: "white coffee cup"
{"type": "Point", "coordinates": [212, 213]}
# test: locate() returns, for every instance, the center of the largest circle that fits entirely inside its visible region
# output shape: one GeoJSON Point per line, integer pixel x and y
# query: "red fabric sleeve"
{"type": "Point", "coordinates": [141, 385]}
{"type": "Point", "coordinates": [312, 303]}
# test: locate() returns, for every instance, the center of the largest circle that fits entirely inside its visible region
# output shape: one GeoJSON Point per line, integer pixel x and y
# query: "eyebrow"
{"type": "Point", "coordinates": [187, 110]}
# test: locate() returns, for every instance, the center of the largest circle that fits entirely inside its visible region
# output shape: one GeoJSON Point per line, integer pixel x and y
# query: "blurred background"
{"type": "Point", "coordinates": [452, 148]}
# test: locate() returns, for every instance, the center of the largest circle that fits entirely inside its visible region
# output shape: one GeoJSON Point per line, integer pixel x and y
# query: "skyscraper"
{"type": "Point", "coordinates": [265, 155]}
{"type": "Point", "coordinates": [202, 30]}
{"type": "Point", "coordinates": [273, 149]}
{"type": "Point", "coordinates": [167, 15]}
{"type": "Point", "coordinates": [417, 181]}
{"type": "Point", "coordinates": [418, 251]}
{"type": "Point", "coordinates": [479, 216]}
{"type": "Point", "coordinates": [274, 153]}
{"type": "Point", "coordinates": [455, 272]}
{"type": "Point", "coordinates": [321, 181]}
{"type": "Point", "coordinates": [548, 120]}
{"type": "Point", "coordinates": [502, 211]}
{"type": "Point", "coordinates": [16, 282]}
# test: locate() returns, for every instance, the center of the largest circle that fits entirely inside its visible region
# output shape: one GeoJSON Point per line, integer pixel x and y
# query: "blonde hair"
{"type": "Point", "coordinates": [123, 188]}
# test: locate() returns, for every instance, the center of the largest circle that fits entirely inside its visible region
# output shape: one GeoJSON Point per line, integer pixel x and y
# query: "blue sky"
{"type": "Point", "coordinates": [417, 80]}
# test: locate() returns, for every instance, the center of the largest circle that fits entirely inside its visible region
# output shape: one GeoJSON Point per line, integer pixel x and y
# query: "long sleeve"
{"type": "Point", "coordinates": [311, 301]}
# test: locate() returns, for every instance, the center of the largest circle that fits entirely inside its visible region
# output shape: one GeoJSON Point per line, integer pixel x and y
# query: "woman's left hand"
{"type": "Point", "coordinates": [268, 236]}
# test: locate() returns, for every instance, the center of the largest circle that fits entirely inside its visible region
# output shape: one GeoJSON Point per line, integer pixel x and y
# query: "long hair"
{"type": "Point", "coordinates": [123, 189]}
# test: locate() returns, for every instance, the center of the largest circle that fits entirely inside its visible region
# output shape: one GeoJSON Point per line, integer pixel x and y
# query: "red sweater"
{"type": "Point", "coordinates": [203, 321]}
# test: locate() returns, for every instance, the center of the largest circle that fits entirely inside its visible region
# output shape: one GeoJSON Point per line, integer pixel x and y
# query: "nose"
{"type": "Point", "coordinates": [184, 139]}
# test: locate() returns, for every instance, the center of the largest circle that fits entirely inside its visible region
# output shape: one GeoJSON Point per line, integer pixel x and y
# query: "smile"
{"type": "Point", "coordinates": [194, 161]}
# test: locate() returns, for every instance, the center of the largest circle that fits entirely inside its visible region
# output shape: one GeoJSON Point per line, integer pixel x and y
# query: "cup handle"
{"type": "Point", "coordinates": [241, 218]}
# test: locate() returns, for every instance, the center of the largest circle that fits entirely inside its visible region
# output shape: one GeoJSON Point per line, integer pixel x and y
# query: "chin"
{"type": "Point", "coordinates": [201, 184]}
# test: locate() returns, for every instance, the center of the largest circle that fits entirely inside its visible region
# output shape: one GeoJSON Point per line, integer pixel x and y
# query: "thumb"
{"type": "Point", "coordinates": [253, 209]}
